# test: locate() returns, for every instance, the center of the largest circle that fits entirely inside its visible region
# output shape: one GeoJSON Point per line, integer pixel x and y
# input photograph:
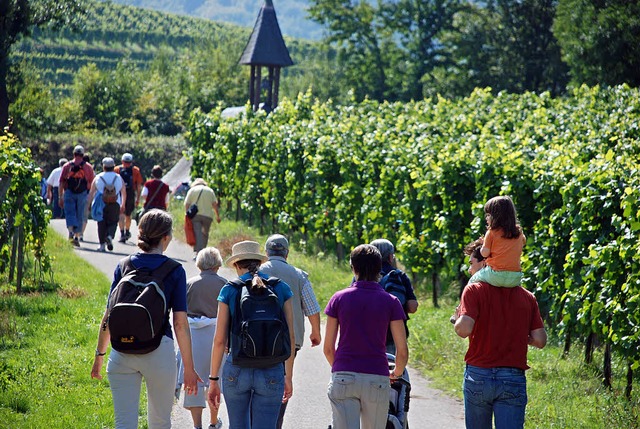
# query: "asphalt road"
{"type": "Point", "coordinates": [309, 407]}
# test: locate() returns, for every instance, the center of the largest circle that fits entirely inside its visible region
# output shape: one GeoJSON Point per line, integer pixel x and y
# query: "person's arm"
{"type": "Point", "coordinates": [311, 309]}
{"type": "Point", "coordinates": [485, 250]}
{"type": "Point", "coordinates": [215, 210]}
{"type": "Point", "coordinates": [288, 365]}
{"type": "Point", "coordinates": [137, 185]}
{"type": "Point", "coordinates": [538, 338]}
{"type": "Point", "coordinates": [101, 348]}
{"type": "Point", "coordinates": [123, 196]}
{"type": "Point", "coordinates": [399, 335]}
{"type": "Point", "coordinates": [411, 306]}
{"type": "Point", "coordinates": [167, 197]}
{"type": "Point", "coordinates": [464, 325]}
{"type": "Point", "coordinates": [92, 192]}
{"type": "Point", "coordinates": [217, 353]}
{"type": "Point", "coordinates": [330, 337]}
{"type": "Point", "coordinates": [61, 187]}
{"type": "Point", "coordinates": [183, 337]}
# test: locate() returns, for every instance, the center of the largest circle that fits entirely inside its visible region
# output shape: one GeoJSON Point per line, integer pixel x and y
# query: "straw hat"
{"type": "Point", "coordinates": [244, 250]}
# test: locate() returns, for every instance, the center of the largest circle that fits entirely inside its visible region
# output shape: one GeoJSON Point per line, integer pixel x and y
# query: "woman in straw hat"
{"type": "Point", "coordinates": [248, 392]}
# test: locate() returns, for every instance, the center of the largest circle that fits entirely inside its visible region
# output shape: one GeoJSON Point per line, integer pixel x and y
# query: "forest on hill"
{"type": "Point", "coordinates": [292, 14]}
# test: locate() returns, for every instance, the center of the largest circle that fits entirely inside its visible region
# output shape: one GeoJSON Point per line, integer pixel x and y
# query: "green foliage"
{"type": "Point", "coordinates": [600, 40]}
{"type": "Point", "coordinates": [21, 208]}
{"type": "Point", "coordinates": [419, 173]}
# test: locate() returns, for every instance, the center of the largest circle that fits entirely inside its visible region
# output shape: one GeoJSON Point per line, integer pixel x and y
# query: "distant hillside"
{"type": "Point", "coordinates": [292, 14]}
{"type": "Point", "coordinates": [113, 32]}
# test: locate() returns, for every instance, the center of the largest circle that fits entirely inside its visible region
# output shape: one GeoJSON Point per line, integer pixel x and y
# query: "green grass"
{"type": "Point", "coordinates": [47, 339]}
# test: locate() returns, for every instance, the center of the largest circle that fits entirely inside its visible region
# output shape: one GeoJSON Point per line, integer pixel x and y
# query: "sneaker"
{"type": "Point", "coordinates": [127, 235]}
{"type": "Point", "coordinates": [123, 239]}
{"type": "Point", "coordinates": [101, 248]}
{"type": "Point", "coordinates": [218, 425]}
{"type": "Point", "coordinates": [75, 242]}
{"type": "Point", "coordinates": [109, 243]}
{"type": "Point", "coordinates": [81, 237]}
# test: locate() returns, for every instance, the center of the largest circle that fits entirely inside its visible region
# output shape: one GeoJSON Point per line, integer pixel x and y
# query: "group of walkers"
{"type": "Point", "coordinates": [222, 327]}
{"type": "Point", "coordinates": [110, 197]}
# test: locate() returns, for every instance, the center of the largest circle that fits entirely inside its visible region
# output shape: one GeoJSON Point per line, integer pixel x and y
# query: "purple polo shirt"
{"type": "Point", "coordinates": [364, 311]}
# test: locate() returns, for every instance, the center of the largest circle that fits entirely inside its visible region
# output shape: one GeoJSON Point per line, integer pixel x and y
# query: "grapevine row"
{"type": "Point", "coordinates": [419, 173]}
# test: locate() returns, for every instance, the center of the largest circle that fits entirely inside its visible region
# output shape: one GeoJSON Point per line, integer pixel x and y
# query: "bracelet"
{"type": "Point", "coordinates": [393, 374]}
{"type": "Point", "coordinates": [214, 378]}
{"type": "Point", "coordinates": [100, 354]}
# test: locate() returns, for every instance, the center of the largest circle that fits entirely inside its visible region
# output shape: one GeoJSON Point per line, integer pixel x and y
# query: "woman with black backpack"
{"type": "Point", "coordinates": [137, 325]}
{"type": "Point", "coordinates": [257, 375]}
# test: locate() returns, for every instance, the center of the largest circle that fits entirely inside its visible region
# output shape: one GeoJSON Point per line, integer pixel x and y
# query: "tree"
{"type": "Point", "coordinates": [600, 40]}
{"type": "Point", "coordinates": [359, 33]}
{"type": "Point", "coordinates": [17, 19]}
{"type": "Point", "coordinates": [504, 44]}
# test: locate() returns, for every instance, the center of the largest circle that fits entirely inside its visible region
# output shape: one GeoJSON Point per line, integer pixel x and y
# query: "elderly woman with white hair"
{"type": "Point", "coordinates": [202, 313]}
{"type": "Point", "coordinates": [203, 197]}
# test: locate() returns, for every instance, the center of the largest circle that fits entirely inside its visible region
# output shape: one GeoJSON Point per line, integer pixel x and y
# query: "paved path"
{"type": "Point", "coordinates": [309, 407]}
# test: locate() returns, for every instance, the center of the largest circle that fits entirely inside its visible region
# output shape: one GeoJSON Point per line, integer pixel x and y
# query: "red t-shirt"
{"type": "Point", "coordinates": [160, 198]}
{"type": "Point", "coordinates": [504, 317]}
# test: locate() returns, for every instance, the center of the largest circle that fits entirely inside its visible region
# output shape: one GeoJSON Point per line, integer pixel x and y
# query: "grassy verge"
{"type": "Point", "coordinates": [46, 349]}
{"type": "Point", "coordinates": [47, 340]}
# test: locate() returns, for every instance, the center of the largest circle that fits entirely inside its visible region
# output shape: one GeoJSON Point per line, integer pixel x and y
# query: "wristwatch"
{"type": "Point", "coordinates": [100, 354]}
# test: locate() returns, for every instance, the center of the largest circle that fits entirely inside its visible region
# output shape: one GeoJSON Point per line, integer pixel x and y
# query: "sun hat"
{"type": "Point", "coordinates": [277, 242]}
{"type": "Point", "coordinates": [127, 157]}
{"type": "Point", "coordinates": [198, 181]}
{"type": "Point", "coordinates": [108, 162]}
{"type": "Point", "coordinates": [78, 150]}
{"type": "Point", "coordinates": [244, 250]}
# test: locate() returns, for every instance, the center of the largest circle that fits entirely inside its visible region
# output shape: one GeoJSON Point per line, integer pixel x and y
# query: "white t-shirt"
{"type": "Point", "coordinates": [54, 177]}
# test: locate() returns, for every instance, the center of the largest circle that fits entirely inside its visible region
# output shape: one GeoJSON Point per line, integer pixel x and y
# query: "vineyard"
{"type": "Point", "coordinates": [113, 33]}
{"type": "Point", "coordinates": [419, 174]}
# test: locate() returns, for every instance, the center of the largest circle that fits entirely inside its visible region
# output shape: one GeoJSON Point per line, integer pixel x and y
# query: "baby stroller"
{"type": "Point", "coordinates": [398, 398]}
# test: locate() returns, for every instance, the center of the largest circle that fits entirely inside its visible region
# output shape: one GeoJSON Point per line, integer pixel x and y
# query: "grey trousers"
{"type": "Point", "coordinates": [201, 226]}
{"type": "Point", "coordinates": [125, 373]}
{"type": "Point", "coordinates": [357, 398]}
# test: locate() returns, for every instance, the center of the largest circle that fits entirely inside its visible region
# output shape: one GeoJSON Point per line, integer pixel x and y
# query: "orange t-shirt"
{"type": "Point", "coordinates": [505, 252]}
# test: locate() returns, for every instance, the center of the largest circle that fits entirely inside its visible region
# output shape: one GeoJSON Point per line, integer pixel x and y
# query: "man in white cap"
{"type": "Point", "coordinates": [75, 181]}
{"type": "Point", "coordinates": [109, 192]}
{"type": "Point", "coordinates": [304, 299]}
{"type": "Point", "coordinates": [133, 183]}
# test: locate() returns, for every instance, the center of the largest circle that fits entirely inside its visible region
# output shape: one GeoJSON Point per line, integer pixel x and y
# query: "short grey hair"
{"type": "Point", "coordinates": [208, 259]}
{"type": "Point", "coordinates": [385, 247]}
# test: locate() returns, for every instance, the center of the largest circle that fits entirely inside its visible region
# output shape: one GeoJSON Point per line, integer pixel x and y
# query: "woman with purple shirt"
{"type": "Point", "coordinates": [360, 380]}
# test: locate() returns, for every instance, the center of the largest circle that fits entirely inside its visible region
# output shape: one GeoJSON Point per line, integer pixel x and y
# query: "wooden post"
{"type": "Point", "coordinates": [258, 82]}
{"type": "Point", "coordinates": [276, 87]}
{"type": "Point", "coordinates": [269, 101]}
{"type": "Point", "coordinates": [252, 84]}
{"type": "Point", "coordinates": [20, 259]}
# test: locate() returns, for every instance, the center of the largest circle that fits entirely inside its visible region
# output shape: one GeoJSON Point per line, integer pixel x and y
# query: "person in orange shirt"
{"type": "Point", "coordinates": [132, 178]}
{"type": "Point", "coordinates": [502, 246]}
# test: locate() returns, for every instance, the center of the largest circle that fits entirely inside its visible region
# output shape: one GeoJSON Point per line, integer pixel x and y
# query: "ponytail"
{"type": "Point", "coordinates": [252, 266]}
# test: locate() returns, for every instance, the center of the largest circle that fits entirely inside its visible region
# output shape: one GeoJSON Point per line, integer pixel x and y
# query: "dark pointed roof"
{"type": "Point", "coordinates": [266, 46]}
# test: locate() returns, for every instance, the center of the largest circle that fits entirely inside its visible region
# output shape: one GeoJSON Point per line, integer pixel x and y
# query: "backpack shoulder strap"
{"type": "Point", "coordinates": [126, 266]}
{"type": "Point", "coordinates": [165, 268]}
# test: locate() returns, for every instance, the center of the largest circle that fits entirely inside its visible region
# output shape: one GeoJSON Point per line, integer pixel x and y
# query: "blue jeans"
{"type": "Point", "coordinates": [74, 207]}
{"type": "Point", "coordinates": [252, 391]}
{"type": "Point", "coordinates": [494, 392]}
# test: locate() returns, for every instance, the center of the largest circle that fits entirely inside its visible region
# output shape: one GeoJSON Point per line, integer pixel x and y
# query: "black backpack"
{"type": "Point", "coordinates": [138, 307]}
{"type": "Point", "coordinates": [259, 332]}
{"type": "Point", "coordinates": [127, 177]}
{"type": "Point", "coordinates": [392, 283]}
